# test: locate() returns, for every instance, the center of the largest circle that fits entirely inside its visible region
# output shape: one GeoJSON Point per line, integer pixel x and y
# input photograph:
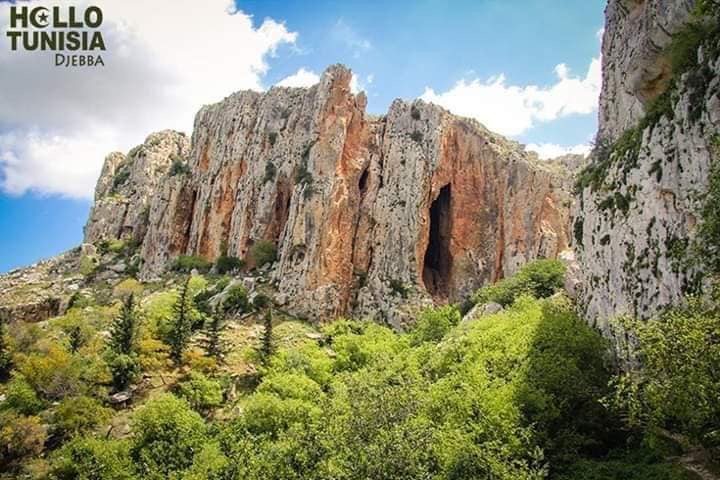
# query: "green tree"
{"type": "Point", "coordinates": [123, 331]}
{"type": "Point", "coordinates": [20, 436]}
{"type": "Point", "coordinates": [434, 323]}
{"type": "Point", "coordinates": [677, 387]}
{"type": "Point", "coordinates": [202, 393]}
{"type": "Point", "coordinates": [167, 434]}
{"type": "Point", "coordinates": [267, 345]}
{"type": "Point", "coordinates": [539, 278]}
{"type": "Point", "coordinates": [5, 358]}
{"type": "Point", "coordinates": [123, 358]}
{"type": "Point", "coordinates": [236, 300]}
{"type": "Point", "coordinates": [213, 343]}
{"type": "Point", "coordinates": [76, 415]}
{"type": "Point", "coordinates": [75, 338]}
{"type": "Point", "coordinates": [91, 458]}
{"type": "Point", "coordinates": [21, 397]}
{"type": "Point", "coordinates": [180, 328]}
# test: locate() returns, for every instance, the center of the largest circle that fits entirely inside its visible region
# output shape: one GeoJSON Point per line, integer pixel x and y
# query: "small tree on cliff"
{"type": "Point", "coordinates": [178, 335]}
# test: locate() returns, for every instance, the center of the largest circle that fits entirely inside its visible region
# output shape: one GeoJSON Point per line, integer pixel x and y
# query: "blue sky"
{"type": "Point", "coordinates": [397, 49]}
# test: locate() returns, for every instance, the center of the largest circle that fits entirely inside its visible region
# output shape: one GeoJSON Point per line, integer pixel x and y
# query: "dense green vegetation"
{"type": "Point", "coordinates": [526, 393]}
{"type": "Point", "coordinates": [540, 279]}
{"type": "Point", "coordinates": [676, 391]}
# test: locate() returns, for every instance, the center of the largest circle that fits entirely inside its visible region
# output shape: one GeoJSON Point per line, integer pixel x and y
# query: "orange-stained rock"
{"type": "Point", "coordinates": [372, 216]}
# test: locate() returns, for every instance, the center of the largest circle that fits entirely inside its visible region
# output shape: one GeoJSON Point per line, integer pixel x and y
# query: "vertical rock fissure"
{"type": "Point", "coordinates": [437, 266]}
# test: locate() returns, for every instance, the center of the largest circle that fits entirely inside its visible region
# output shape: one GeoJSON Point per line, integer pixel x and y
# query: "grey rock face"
{"type": "Point", "coordinates": [633, 233]}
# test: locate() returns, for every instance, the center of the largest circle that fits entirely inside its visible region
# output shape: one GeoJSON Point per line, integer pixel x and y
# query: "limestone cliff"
{"type": "Point", "coordinates": [638, 203]}
{"type": "Point", "coordinates": [370, 215]}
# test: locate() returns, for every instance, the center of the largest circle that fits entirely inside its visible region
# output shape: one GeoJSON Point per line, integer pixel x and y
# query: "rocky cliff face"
{"type": "Point", "coordinates": [368, 214]}
{"type": "Point", "coordinates": [637, 209]}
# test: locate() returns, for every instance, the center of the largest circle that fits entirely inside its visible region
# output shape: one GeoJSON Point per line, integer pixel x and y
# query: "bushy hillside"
{"type": "Point", "coordinates": [189, 378]}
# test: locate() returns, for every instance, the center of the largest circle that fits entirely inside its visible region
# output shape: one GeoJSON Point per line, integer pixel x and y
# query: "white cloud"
{"type": "Point", "coordinates": [301, 78]}
{"type": "Point", "coordinates": [548, 151]}
{"type": "Point", "coordinates": [57, 124]}
{"type": "Point", "coordinates": [511, 109]}
{"type": "Point", "coordinates": [344, 33]}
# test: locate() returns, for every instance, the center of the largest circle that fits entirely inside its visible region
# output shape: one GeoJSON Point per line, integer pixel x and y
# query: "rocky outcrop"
{"type": "Point", "coordinates": [40, 291]}
{"type": "Point", "coordinates": [371, 216]}
{"type": "Point", "coordinates": [637, 210]}
{"type": "Point", "coordinates": [127, 184]}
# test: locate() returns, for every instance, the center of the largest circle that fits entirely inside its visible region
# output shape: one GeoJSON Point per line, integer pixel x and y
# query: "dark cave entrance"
{"type": "Point", "coordinates": [438, 261]}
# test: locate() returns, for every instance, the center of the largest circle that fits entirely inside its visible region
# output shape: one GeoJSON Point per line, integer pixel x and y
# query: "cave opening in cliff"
{"type": "Point", "coordinates": [438, 260]}
{"type": "Point", "coordinates": [362, 183]}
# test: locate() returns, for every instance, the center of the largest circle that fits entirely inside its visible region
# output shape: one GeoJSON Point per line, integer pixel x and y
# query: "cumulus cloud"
{"type": "Point", "coordinates": [548, 151]}
{"type": "Point", "coordinates": [512, 109]}
{"type": "Point", "coordinates": [57, 124]}
{"type": "Point", "coordinates": [301, 78]}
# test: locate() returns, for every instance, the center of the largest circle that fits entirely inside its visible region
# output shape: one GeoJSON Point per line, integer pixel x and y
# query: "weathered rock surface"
{"type": "Point", "coordinates": [127, 183]}
{"type": "Point", "coordinates": [370, 215]}
{"type": "Point", "coordinates": [636, 68]}
{"type": "Point", "coordinates": [40, 291]}
{"type": "Point", "coordinates": [633, 232]}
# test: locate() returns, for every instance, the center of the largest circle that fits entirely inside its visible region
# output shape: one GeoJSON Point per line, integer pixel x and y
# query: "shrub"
{"type": "Point", "coordinates": [20, 436]}
{"type": "Point", "coordinates": [179, 166]}
{"type": "Point", "coordinates": [77, 415]}
{"type": "Point", "coordinates": [201, 393]}
{"type": "Point", "coordinates": [88, 265]}
{"type": "Point", "coordinates": [187, 263]}
{"type": "Point", "coordinates": [272, 138]}
{"type": "Point", "coordinates": [270, 172]}
{"type": "Point", "coordinates": [261, 301]}
{"type": "Point", "coordinates": [20, 397]}
{"type": "Point", "coordinates": [167, 434]}
{"type": "Point", "coordinates": [55, 373]}
{"type": "Point", "coordinates": [415, 113]}
{"type": "Point", "coordinates": [93, 458]}
{"type": "Point", "coordinates": [539, 278]}
{"type": "Point", "coordinates": [226, 264]}
{"type": "Point", "coordinates": [236, 300]}
{"type": "Point", "coordinates": [263, 252]}
{"type": "Point", "coordinates": [416, 136]}
{"type": "Point", "coordinates": [434, 323]}
{"type": "Point", "coordinates": [677, 387]}
{"type": "Point", "coordinates": [398, 287]}
{"type": "Point", "coordinates": [129, 286]}
{"type": "Point", "coordinates": [121, 177]}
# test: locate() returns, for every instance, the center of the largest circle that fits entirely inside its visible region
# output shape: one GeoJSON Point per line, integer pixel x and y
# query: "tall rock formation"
{"type": "Point", "coordinates": [639, 201]}
{"type": "Point", "coordinates": [371, 216]}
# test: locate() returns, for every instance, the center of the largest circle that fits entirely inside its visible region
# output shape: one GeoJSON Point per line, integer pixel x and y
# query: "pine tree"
{"type": "Point", "coordinates": [5, 359]}
{"type": "Point", "coordinates": [181, 324]}
{"type": "Point", "coordinates": [213, 343]}
{"type": "Point", "coordinates": [267, 347]}
{"type": "Point", "coordinates": [122, 360]}
{"type": "Point", "coordinates": [75, 337]}
{"type": "Point", "coordinates": [123, 331]}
